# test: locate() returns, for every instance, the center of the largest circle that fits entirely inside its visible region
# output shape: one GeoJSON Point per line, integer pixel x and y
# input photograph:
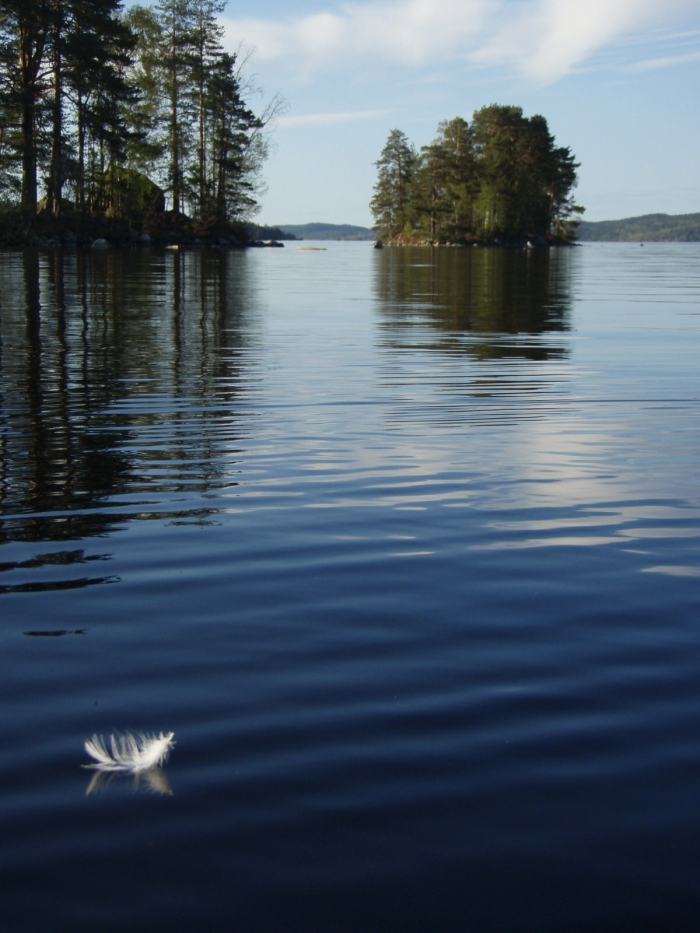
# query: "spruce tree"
{"type": "Point", "coordinates": [235, 143]}
{"type": "Point", "coordinates": [396, 167]}
{"type": "Point", "coordinates": [456, 139]}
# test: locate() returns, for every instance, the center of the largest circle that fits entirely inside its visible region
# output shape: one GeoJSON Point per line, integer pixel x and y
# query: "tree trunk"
{"type": "Point", "coordinates": [202, 148]}
{"type": "Point", "coordinates": [55, 181]}
{"type": "Point", "coordinates": [80, 182]}
{"type": "Point", "coordinates": [175, 138]}
{"type": "Point", "coordinates": [28, 131]}
{"type": "Point", "coordinates": [29, 171]}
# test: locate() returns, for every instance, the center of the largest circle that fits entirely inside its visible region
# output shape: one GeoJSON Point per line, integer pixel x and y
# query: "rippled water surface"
{"type": "Point", "coordinates": [403, 546]}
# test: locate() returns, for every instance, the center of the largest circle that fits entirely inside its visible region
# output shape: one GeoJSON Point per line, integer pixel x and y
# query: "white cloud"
{"type": "Point", "coordinates": [328, 119]}
{"type": "Point", "coordinates": [543, 39]}
{"type": "Point", "coordinates": [550, 37]}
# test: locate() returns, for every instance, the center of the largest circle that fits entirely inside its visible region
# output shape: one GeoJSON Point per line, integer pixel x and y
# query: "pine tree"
{"type": "Point", "coordinates": [25, 33]}
{"type": "Point", "coordinates": [177, 20]}
{"type": "Point", "coordinates": [205, 58]}
{"type": "Point", "coordinates": [90, 51]}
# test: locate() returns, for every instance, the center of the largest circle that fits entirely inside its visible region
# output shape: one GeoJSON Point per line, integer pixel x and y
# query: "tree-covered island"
{"type": "Point", "coordinates": [498, 179]}
{"type": "Point", "coordinates": [124, 124]}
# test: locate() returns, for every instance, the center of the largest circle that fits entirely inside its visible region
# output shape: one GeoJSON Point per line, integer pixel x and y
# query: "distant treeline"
{"type": "Point", "coordinates": [500, 177]}
{"type": "Point", "coordinates": [315, 231]}
{"type": "Point", "coordinates": [122, 114]}
{"type": "Point", "coordinates": [319, 231]}
{"type": "Point", "coordinates": [262, 232]}
{"type": "Point", "coordinates": [684, 228]}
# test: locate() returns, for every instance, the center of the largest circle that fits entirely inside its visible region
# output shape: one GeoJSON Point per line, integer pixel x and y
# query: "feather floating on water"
{"type": "Point", "coordinates": [129, 754]}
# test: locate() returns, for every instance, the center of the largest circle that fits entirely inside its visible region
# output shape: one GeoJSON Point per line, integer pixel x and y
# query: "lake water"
{"type": "Point", "coordinates": [403, 546]}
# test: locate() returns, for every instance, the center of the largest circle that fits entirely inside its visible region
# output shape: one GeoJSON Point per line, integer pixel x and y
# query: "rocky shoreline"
{"type": "Point", "coordinates": [166, 231]}
{"type": "Point", "coordinates": [520, 242]}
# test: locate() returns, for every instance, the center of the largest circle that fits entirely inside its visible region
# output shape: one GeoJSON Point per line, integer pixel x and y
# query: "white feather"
{"type": "Point", "coordinates": [130, 754]}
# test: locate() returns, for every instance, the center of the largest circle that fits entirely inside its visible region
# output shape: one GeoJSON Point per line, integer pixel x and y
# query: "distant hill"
{"type": "Point", "coordinates": [257, 232]}
{"type": "Point", "coordinates": [328, 232]}
{"type": "Point", "coordinates": [684, 228]}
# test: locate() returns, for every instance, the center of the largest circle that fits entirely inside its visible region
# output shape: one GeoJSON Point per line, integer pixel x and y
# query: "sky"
{"type": "Point", "coordinates": [617, 80]}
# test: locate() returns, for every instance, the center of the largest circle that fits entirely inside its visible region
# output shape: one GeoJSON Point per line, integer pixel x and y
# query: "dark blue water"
{"type": "Point", "coordinates": [403, 546]}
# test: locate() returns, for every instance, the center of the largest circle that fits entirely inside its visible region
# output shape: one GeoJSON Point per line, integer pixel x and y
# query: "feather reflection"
{"type": "Point", "coordinates": [154, 781]}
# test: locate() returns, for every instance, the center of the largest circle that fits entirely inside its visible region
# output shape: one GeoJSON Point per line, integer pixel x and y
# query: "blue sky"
{"type": "Point", "coordinates": [616, 79]}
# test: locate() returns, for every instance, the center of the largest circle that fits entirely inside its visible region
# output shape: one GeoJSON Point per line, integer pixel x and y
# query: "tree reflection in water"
{"type": "Point", "coordinates": [119, 375]}
{"type": "Point", "coordinates": [499, 317]}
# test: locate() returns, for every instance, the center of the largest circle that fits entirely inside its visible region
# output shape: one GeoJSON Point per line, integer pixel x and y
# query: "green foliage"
{"type": "Point", "coordinates": [205, 143]}
{"type": "Point", "coordinates": [92, 100]}
{"type": "Point", "coordinates": [500, 177]}
{"type": "Point", "coordinates": [392, 193]}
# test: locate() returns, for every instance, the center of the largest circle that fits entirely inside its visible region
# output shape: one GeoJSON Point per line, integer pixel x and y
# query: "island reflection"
{"type": "Point", "coordinates": [478, 292]}
{"type": "Point", "coordinates": [499, 318]}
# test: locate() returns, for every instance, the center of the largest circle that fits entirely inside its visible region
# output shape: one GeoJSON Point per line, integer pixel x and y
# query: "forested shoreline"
{"type": "Point", "coordinates": [654, 228]}
{"type": "Point", "coordinates": [500, 179]}
{"type": "Point", "coordinates": [126, 125]}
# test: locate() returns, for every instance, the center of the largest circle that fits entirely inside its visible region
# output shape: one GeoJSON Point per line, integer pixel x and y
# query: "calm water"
{"type": "Point", "coordinates": [404, 546]}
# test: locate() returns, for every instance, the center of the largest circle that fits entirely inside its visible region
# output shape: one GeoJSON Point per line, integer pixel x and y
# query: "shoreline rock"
{"type": "Point", "coordinates": [532, 241]}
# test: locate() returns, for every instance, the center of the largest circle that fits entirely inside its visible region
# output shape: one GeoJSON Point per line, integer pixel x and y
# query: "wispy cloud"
{"type": "Point", "coordinates": [327, 119]}
{"type": "Point", "coordinates": [543, 39]}
{"type": "Point", "coordinates": [665, 61]}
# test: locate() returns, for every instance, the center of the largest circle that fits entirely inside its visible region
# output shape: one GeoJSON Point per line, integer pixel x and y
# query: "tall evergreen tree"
{"type": "Point", "coordinates": [177, 20]}
{"type": "Point", "coordinates": [498, 133]}
{"type": "Point", "coordinates": [391, 199]}
{"type": "Point", "coordinates": [91, 48]}
{"type": "Point", "coordinates": [444, 183]}
{"type": "Point", "coordinates": [427, 193]}
{"type": "Point", "coordinates": [206, 58]}
{"type": "Point", "coordinates": [456, 139]}
{"type": "Point", "coordinates": [234, 133]}
{"type": "Point", "coordinates": [25, 28]}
